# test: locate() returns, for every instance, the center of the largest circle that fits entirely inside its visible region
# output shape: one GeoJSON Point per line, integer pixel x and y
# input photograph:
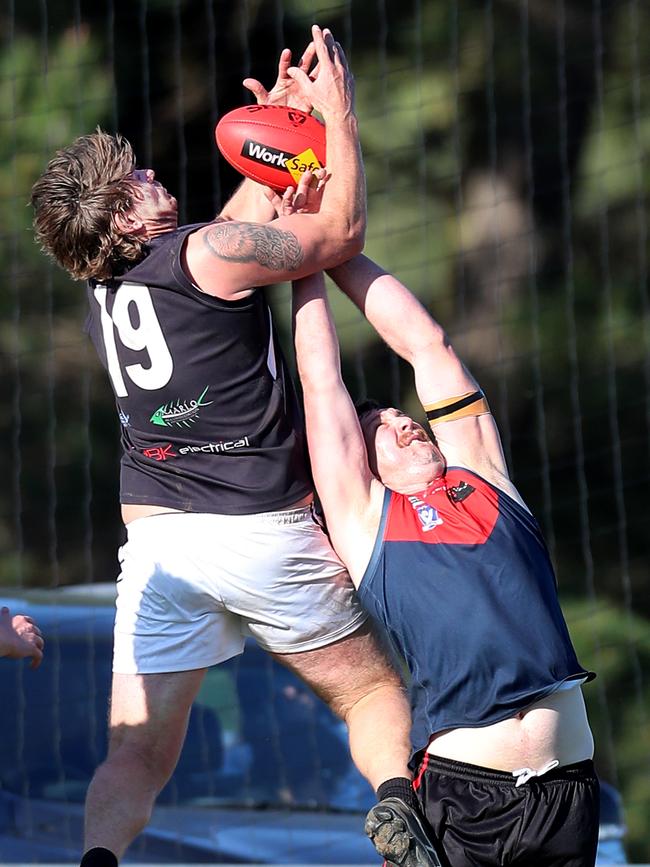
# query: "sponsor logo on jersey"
{"type": "Point", "coordinates": [295, 164]}
{"type": "Point", "coordinates": [159, 453]}
{"type": "Point", "coordinates": [215, 448]}
{"type": "Point", "coordinates": [181, 413]}
{"type": "Point", "coordinates": [429, 517]}
{"type": "Point", "coordinates": [460, 492]}
{"type": "Point", "coordinates": [124, 418]}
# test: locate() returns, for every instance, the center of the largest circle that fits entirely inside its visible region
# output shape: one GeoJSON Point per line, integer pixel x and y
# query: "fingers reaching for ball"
{"type": "Point", "coordinates": [331, 92]}
{"type": "Point", "coordinates": [305, 198]}
{"type": "Point", "coordinates": [285, 91]}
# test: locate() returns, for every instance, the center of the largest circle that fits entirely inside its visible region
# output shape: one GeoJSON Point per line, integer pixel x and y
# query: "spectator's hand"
{"type": "Point", "coordinates": [285, 91]}
{"type": "Point", "coordinates": [331, 90]}
{"type": "Point", "coordinates": [20, 637]}
{"type": "Point", "coordinates": [304, 199]}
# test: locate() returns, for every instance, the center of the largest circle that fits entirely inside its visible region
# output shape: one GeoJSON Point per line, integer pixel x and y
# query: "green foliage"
{"type": "Point", "coordinates": [47, 101]}
{"type": "Point", "coordinates": [616, 644]}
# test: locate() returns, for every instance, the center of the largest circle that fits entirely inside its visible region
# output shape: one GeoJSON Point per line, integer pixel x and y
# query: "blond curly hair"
{"type": "Point", "coordinates": [75, 201]}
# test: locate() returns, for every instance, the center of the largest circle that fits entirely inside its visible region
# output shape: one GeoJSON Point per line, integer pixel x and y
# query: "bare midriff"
{"type": "Point", "coordinates": [555, 728]}
{"type": "Point", "coordinates": [130, 512]}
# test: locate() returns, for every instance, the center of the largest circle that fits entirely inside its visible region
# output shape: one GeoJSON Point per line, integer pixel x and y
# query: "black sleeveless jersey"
{"type": "Point", "coordinates": [210, 419]}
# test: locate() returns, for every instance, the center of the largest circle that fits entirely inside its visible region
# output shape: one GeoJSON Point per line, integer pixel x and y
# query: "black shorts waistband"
{"type": "Point", "coordinates": [438, 765]}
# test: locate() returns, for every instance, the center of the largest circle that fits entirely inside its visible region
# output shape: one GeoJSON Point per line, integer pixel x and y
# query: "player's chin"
{"type": "Point", "coordinates": [440, 465]}
{"type": "Point", "coordinates": [428, 453]}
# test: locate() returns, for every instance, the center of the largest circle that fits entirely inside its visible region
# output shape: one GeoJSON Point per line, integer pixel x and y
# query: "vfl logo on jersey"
{"type": "Point", "coordinates": [429, 517]}
{"type": "Point", "coordinates": [180, 413]}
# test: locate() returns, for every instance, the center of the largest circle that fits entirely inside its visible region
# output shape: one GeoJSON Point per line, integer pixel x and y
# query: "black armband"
{"type": "Point", "coordinates": [460, 406]}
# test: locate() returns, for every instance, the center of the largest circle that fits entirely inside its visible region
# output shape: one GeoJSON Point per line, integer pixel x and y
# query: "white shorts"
{"type": "Point", "coordinates": [193, 586]}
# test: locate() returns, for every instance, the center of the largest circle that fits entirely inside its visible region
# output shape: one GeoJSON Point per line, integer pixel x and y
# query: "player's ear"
{"type": "Point", "coordinates": [127, 222]}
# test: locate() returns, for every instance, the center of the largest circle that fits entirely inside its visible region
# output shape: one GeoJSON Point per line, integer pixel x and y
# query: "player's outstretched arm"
{"type": "Point", "coordinates": [20, 637]}
{"type": "Point", "coordinates": [350, 494]}
{"type": "Point", "coordinates": [405, 325]}
{"type": "Point", "coordinates": [457, 410]}
{"type": "Point", "coordinates": [248, 204]}
{"type": "Point", "coordinates": [227, 258]}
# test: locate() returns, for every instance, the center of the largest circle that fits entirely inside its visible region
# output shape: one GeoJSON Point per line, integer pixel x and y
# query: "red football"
{"type": "Point", "coordinates": [271, 144]}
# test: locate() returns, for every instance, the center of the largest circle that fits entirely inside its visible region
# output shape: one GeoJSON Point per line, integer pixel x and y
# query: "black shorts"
{"type": "Point", "coordinates": [479, 817]}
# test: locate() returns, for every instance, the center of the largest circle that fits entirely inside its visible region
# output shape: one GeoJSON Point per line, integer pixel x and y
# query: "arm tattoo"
{"type": "Point", "coordinates": [272, 248]}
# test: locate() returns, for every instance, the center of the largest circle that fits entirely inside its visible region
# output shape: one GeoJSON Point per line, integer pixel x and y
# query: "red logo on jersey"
{"type": "Point", "coordinates": [460, 509]}
{"type": "Point", "coordinates": [160, 453]}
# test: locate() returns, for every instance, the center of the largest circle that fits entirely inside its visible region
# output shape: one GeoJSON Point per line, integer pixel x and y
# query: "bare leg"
{"type": "Point", "coordinates": [354, 677]}
{"type": "Point", "coordinates": [359, 684]}
{"type": "Point", "coordinates": [148, 721]}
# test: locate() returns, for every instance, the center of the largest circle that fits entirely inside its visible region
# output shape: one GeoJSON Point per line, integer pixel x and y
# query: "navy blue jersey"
{"type": "Point", "coordinates": [210, 420]}
{"type": "Point", "coordinates": [462, 581]}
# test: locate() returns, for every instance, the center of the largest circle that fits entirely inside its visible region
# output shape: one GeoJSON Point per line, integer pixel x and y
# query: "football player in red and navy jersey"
{"type": "Point", "coordinates": [449, 560]}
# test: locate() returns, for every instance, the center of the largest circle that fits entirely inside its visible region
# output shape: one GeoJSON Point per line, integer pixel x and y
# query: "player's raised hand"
{"type": "Point", "coordinates": [306, 198]}
{"type": "Point", "coordinates": [20, 637]}
{"type": "Point", "coordinates": [331, 90]}
{"type": "Point", "coordinates": [285, 91]}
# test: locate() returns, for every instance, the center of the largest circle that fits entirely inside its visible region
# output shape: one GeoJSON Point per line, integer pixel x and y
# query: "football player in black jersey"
{"type": "Point", "coordinates": [215, 490]}
{"type": "Point", "coordinates": [448, 559]}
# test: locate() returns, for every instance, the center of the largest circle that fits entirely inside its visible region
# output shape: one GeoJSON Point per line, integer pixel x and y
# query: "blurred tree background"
{"type": "Point", "coordinates": [506, 146]}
